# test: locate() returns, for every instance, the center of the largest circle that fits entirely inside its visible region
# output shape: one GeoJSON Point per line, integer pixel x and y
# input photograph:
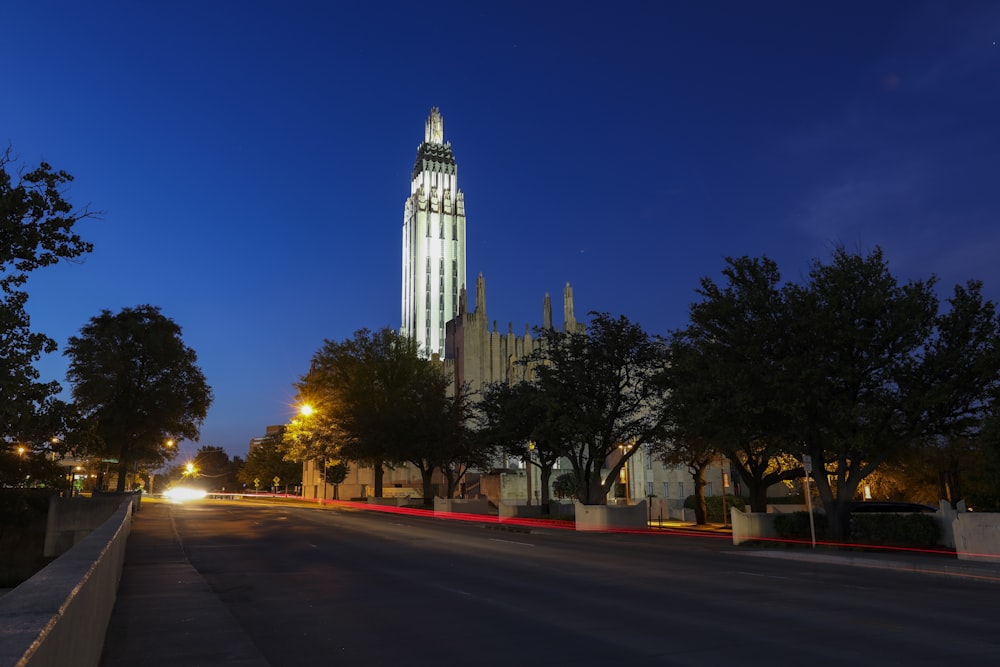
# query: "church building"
{"type": "Point", "coordinates": [470, 346]}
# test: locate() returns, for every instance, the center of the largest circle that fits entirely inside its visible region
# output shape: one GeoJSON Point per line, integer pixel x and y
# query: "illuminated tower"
{"type": "Point", "coordinates": [433, 241]}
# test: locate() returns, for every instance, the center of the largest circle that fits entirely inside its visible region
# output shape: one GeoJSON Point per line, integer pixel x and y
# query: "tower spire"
{"type": "Point", "coordinates": [569, 319]}
{"type": "Point", "coordinates": [434, 127]}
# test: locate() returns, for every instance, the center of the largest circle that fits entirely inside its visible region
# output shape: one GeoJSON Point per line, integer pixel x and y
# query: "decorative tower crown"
{"type": "Point", "coordinates": [434, 127]}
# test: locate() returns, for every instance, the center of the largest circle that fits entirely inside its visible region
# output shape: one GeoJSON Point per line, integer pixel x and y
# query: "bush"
{"type": "Point", "coordinates": [23, 516]}
{"type": "Point", "coordinates": [882, 529]}
{"type": "Point", "coordinates": [897, 530]}
{"type": "Point", "coordinates": [795, 526]}
{"type": "Point", "coordinates": [713, 506]}
{"type": "Point", "coordinates": [564, 486]}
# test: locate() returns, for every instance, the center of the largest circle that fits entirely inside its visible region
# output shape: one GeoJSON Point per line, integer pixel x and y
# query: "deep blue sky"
{"type": "Point", "coordinates": [252, 158]}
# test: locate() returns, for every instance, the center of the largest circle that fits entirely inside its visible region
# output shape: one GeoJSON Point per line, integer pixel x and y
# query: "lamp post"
{"type": "Point", "coordinates": [21, 449]}
{"type": "Point", "coordinates": [307, 410]}
{"type": "Point", "coordinates": [725, 485]}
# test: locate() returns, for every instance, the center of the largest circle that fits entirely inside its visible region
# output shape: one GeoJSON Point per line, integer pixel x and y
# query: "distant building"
{"type": "Point", "coordinates": [269, 432]}
{"type": "Point", "coordinates": [433, 241]}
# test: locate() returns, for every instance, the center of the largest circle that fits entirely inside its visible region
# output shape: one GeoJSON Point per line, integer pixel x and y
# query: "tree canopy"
{"type": "Point", "coordinates": [604, 384]}
{"type": "Point", "coordinates": [266, 460]}
{"type": "Point", "coordinates": [136, 385]}
{"type": "Point", "coordinates": [520, 422]}
{"type": "Point", "coordinates": [727, 391]}
{"type": "Point", "coordinates": [877, 368]}
{"type": "Point", "coordinates": [377, 401]}
{"type": "Point", "coordinates": [850, 366]}
{"type": "Point", "coordinates": [37, 225]}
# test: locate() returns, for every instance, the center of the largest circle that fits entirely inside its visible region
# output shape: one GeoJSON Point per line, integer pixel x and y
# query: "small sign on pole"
{"type": "Point", "coordinates": [807, 465]}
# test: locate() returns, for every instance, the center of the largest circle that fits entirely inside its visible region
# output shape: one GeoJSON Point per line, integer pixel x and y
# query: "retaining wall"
{"type": "Point", "coordinates": [977, 536]}
{"type": "Point", "coordinates": [462, 505]}
{"type": "Point", "coordinates": [611, 517]}
{"type": "Point", "coordinates": [60, 616]}
{"type": "Point", "coordinates": [70, 520]}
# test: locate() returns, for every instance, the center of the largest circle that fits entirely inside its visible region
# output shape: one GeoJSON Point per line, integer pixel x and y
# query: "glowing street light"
{"type": "Point", "coordinates": [307, 410]}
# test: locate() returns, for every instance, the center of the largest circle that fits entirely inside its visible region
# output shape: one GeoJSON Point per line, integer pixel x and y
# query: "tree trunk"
{"type": "Point", "coordinates": [838, 518]}
{"type": "Point", "coordinates": [700, 506]}
{"type": "Point", "coordinates": [426, 475]}
{"type": "Point", "coordinates": [544, 476]}
{"type": "Point", "coordinates": [758, 497]}
{"type": "Point", "coordinates": [379, 472]}
{"type": "Point", "coordinates": [122, 469]}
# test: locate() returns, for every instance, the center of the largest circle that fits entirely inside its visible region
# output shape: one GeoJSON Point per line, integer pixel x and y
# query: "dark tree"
{"type": "Point", "coordinates": [604, 386]}
{"type": "Point", "coordinates": [376, 401]}
{"type": "Point", "coordinates": [458, 448]}
{"type": "Point", "coordinates": [37, 230]}
{"type": "Point", "coordinates": [136, 386]}
{"type": "Point", "coordinates": [565, 486]}
{"type": "Point", "coordinates": [696, 456]}
{"type": "Point", "coordinates": [266, 461]}
{"type": "Point", "coordinates": [725, 378]}
{"type": "Point", "coordinates": [520, 421]}
{"type": "Point", "coordinates": [214, 471]}
{"type": "Point", "coordinates": [877, 370]}
{"type": "Point", "coordinates": [37, 222]}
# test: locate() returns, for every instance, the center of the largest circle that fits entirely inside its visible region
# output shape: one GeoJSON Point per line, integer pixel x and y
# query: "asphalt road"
{"type": "Point", "coordinates": [346, 587]}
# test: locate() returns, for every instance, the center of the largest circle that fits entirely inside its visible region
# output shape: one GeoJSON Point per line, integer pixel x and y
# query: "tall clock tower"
{"type": "Point", "coordinates": [433, 241]}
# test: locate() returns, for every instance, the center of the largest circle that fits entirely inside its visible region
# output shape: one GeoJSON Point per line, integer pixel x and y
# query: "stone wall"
{"type": "Point", "coordinates": [60, 616]}
{"type": "Point", "coordinates": [977, 536]}
{"type": "Point", "coordinates": [611, 517]}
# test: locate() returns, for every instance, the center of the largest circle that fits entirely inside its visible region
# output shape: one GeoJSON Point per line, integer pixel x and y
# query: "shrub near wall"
{"type": "Point", "coordinates": [888, 529]}
{"type": "Point", "coordinates": [713, 506]}
{"type": "Point", "coordinates": [23, 515]}
{"type": "Point", "coordinates": [795, 526]}
{"type": "Point", "coordinates": [895, 530]}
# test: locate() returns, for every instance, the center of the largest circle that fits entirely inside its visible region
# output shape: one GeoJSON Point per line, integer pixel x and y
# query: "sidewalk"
{"type": "Point", "coordinates": [924, 562]}
{"type": "Point", "coordinates": [165, 614]}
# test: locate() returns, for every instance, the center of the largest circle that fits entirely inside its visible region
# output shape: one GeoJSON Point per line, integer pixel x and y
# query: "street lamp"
{"type": "Point", "coordinates": [307, 410]}
{"type": "Point", "coordinates": [21, 449]}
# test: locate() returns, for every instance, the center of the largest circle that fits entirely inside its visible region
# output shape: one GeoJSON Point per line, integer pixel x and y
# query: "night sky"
{"type": "Point", "coordinates": [252, 159]}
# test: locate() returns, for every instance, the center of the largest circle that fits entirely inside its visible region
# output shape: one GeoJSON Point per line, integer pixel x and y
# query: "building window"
{"type": "Point", "coordinates": [680, 489]}
{"type": "Point", "coordinates": [708, 490]}
{"type": "Point", "coordinates": [649, 489]}
{"type": "Point", "coordinates": [666, 489]}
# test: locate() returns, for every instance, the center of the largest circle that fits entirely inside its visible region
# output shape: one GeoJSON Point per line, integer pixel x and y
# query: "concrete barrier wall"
{"type": "Point", "coordinates": [510, 509]}
{"type": "Point", "coordinates": [400, 501]}
{"type": "Point", "coordinates": [520, 510]}
{"type": "Point", "coordinates": [611, 517]}
{"type": "Point", "coordinates": [751, 525]}
{"type": "Point", "coordinates": [462, 505]}
{"type": "Point", "coordinates": [70, 520]}
{"type": "Point", "coordinates": [60, 616]}
{"type": "Point", "coordinates": [977, 536]}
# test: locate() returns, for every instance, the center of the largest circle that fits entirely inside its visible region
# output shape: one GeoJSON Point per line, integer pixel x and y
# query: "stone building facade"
{"type": "Point", "coordinates": [477, 353]}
